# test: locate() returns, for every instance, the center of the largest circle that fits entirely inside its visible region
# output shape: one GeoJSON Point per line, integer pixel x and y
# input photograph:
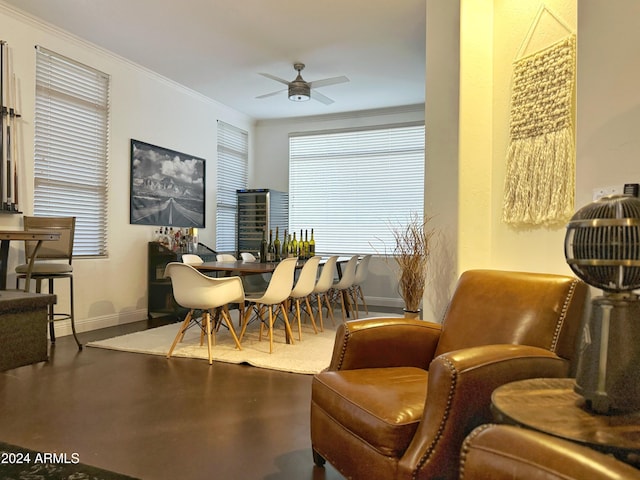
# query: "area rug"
{"type": "Point", "coordinates": [308, 356]}
{"type": "Point", "coordinates": [17, 463]}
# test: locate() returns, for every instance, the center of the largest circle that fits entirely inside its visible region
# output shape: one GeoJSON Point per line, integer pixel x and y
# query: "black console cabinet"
{"type": "Point", "coordinates": [160, 300]}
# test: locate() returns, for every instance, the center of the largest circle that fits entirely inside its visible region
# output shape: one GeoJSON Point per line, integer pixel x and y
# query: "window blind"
{"type": "Point", "coordinates": [233, 166]}
{"type": "Point", "coordinates": [352, 187]}
{"type": "Point", "coordinates": [71, 147]}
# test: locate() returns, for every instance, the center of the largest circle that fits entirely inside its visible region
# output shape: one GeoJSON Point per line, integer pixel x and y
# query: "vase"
{"type": "Point", "coordinates": [413, 314]}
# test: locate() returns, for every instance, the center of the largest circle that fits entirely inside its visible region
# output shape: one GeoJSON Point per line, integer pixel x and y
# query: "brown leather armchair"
{"type": "Point", "coordinates": [400, 395]}
{"type": "Point", "coordinates": [503, 452]}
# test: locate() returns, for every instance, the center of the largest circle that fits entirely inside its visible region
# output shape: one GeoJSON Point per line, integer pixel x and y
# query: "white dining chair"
{"type": "Point", "coordinates": [248, 257]}
{"type": "Point", "coordinates": [342, 288]}
{"type": "Point", "coordinates": [302, 290]}
{"type": "Point", "coordinates": [362, 272]}
{"type": "Point", "coordinates": [192, 259]}
{"type": "Point", "coordinates": [196, 291]}
{"type": "Point", "coordinates": [277, 293]}
{"type": "Point", "coordinates": [253, 283]}
{"type": "Point", "coordinates": [323, 285]}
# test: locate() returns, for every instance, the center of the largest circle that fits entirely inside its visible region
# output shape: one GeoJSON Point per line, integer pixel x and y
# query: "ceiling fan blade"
{"type": "Point", "coordinates": [273, 77]}
{"type": "Point", "coordinates": [321, 98]}
{"type": "Point", "coordinates": [328, 81]}
{"type": "Point", "coordinates": [272, 93]}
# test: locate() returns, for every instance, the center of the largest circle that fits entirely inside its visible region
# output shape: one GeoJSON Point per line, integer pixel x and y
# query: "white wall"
{"type": "Point", "coordinates": [144, 106]}
{"type": "Point", "coordinates": [608, 146]}
{"type": "Point", "coordinates": [488, 52]}
{"type": "Point", "coordinates": [442, 106]}
{"type": "Point", "coordinates": [270, 169]}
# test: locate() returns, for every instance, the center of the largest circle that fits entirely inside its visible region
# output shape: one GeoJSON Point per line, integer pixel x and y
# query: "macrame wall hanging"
{"type": "Point", "coordinates": [540, 173]}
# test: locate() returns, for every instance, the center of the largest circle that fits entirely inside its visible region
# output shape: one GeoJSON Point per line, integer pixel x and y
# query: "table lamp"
{"type": "Point", "coordinates": [602, 247]}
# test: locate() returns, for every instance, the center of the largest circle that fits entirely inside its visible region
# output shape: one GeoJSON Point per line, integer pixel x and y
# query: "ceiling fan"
{"type": "Point", "coordinates": [300, 90]}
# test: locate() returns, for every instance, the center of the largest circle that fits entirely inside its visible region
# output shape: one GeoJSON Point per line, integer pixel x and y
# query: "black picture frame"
{"type": "Point", "coordinates": [167, 187]}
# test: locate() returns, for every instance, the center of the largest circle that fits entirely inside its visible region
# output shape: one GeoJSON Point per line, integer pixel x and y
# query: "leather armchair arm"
{"type": "Point", "coordinates": [507, 452]}
{"type": "Point", "coordinates": [384, 342]}
{"type": "Point", "coordinates": [460, 387]}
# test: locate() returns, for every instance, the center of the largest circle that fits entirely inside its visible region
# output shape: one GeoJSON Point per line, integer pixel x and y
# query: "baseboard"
{"type": "Point", "coordinates": [384, 301]}
{"type": "Point", "coordinates": [63, 327]}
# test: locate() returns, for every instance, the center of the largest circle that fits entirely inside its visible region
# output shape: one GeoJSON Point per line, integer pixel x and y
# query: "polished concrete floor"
{"type": "Point", "coordinates": [156, 419]}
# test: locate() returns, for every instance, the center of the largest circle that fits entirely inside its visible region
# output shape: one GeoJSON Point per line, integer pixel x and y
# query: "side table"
{"type": "Point", "coordinates": [550, 405]}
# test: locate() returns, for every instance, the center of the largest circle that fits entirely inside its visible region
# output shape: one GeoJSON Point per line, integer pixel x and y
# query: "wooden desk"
{"type": "Point", "coordinates": [5, 238]}
{"type": "Point", "coordinates": [550, 405]}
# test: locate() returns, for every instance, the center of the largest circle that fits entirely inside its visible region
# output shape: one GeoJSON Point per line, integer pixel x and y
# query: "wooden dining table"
{"type": "Point", "coordinates": [240, 267]}
{"type": "Point", "coordinates": [6, 236]}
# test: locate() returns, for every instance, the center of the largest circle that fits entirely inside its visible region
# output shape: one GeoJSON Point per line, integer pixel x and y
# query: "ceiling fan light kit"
{"type": "Point", "coordinates": [299, 90]}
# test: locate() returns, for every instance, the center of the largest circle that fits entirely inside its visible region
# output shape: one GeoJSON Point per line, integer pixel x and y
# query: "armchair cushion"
{"type": "Point", "coordinates": [383, 405]}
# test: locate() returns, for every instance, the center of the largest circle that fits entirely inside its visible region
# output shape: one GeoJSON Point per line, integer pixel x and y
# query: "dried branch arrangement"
{"type": "Point", "coordinates": [411, 253]}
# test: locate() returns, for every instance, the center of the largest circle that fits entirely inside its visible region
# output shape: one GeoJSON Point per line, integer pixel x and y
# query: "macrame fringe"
{"type": "Point", "coordinates": [541, 173]}
{"type": "Point", "coordinates": [540, 176]}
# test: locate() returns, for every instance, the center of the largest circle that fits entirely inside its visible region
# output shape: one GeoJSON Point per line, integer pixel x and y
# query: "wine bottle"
{"type": "Point", "coordinates": [270, 250]}
{"type": "Point", "coordinates": [263, 247]}
{"type": "Point", "coordinates": [294, 246]}
{"type": "Point", "coordinates": [276, 246]}
{"type": "Point", "coordinates": [306, 244]}
{"type": "Point", "coordinates": [301, 247]}
{"type": "Point", "coordinates": [285, 245]}
{"type": "Point", "coordinates": [312, 245]}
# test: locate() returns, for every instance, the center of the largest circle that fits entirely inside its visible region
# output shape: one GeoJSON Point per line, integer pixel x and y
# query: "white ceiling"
{"type": "Point", "coordinates": [218, 47]}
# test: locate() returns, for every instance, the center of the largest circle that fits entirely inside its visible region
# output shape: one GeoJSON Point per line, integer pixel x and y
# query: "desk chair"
{"type": "Point", "coordinates": [53, 262]}
{"type": "Point", "coordinates": [196, 291]}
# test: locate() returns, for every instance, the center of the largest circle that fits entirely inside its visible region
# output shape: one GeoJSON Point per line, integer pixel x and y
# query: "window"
{"type": "Point", "coordinates": [71, 146]}
{"type": "Point", "coordinates": [352, 186]}
{"type": "Point", "coordinates": [233, 166]}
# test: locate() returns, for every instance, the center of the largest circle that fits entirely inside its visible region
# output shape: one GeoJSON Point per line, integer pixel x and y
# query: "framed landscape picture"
{"type": "Point", "coordinates": [167, 187]}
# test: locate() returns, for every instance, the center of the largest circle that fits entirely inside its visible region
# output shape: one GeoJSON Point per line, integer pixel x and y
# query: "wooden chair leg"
{"type": "Point", "coordinates": [245, 320]}
{"type": "Point", "coordinates": [329, 308]}
{"type": "Point", "coordinates": [313, 320]}
{"type": "Point", "coordinates": [227, 318]}
{"type": "Point", "coordinates": [270, 329]}
{"type": "Point", "coordinates": [344, 313]}
{"type": "Point", "coordinates": [207, 322]}
{"type": "Point", "coordinates": [287, 325]}
{"type": "Point", "coordinates": [319, 299]}
{"type": "Point", "coordinates": [364, 302]}
{"type": "Point", "coordinates": [180, 335]}
{"type": "Point", "coordinates": [298, 317]}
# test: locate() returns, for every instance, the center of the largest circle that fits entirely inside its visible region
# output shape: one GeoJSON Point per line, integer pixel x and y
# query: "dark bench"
{"type": "Point", "coordinates": [23, 328]}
